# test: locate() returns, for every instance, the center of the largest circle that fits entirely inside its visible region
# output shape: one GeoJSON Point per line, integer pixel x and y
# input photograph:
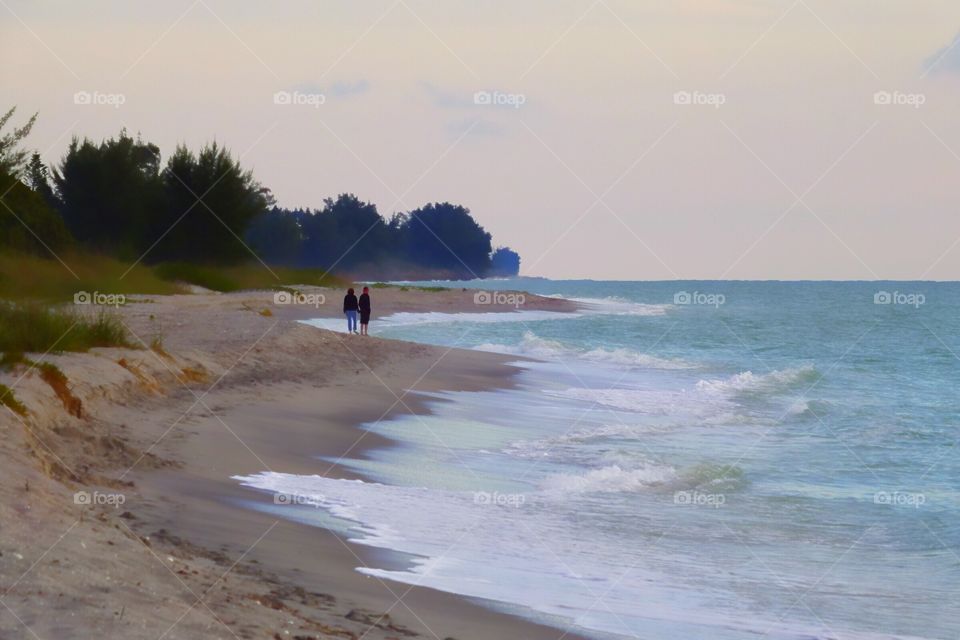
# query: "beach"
{"type": "Point", "coordinates": [119, 515]}
{"type": "Point", "coordinates": [603, 460]}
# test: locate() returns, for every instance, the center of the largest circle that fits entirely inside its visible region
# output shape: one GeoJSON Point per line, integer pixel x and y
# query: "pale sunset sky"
{"type": "Point", "coordinates": [712, 139]}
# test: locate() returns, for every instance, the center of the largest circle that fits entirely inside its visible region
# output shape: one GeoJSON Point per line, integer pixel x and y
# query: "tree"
{"type": "Point", "coordinates": [38, 178]}
{"type": "Point", "coordinates": [504, 263]}
{"type": "Point", "coordinates": [445, 237]}
{"type": "Point", "coordinates": [12, 157]}
{"type": "Point", "coordinates": [275, 236]}
{"type": "Point", "coordinates": [27, 222]}
{"type": "Point", "coordinates": [210, 201]}
{"type": "Point", "coordinates": [110, 193]}
{"type": "Point", "coordinates": [347, 234]}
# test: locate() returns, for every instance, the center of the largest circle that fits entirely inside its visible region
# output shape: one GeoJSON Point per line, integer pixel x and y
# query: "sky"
{"type": "Point", "coordinates": [606, 139]}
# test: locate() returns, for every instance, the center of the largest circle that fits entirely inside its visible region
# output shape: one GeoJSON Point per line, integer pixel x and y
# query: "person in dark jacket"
{"type": "Point", "coordinates": [364, 311]}
{"type": "Point", "coordinates": [350, 307]}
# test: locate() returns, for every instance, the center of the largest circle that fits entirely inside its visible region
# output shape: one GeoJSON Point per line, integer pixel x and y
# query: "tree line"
{"type": "Point", "coordinates": [117, 197]}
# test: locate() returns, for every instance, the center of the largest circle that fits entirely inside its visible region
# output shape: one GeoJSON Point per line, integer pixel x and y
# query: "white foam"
{"type": "Point", "coordinates": [610, 479]}
{"type": "Point", "coordinates": [749, 381]}
{"type": "Point", "coordinates": [656, 402]}
{"type": "Point", "coordinates": [533, 556]}
{"type": "Point", "coordinates": [533, 346]}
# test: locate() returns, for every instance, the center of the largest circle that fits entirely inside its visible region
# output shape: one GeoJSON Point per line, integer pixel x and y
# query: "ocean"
{"type": "Point", "coordinates": [710, 460]}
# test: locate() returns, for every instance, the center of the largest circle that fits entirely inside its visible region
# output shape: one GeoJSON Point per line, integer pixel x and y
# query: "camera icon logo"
{"type": "Point", "coordinates": [882, 297]}
{"type": "Point", "coordinates": [883, 98]}
{"type": "Point", "coordinates": [81, 498]}
{"type": "Point", "coordinates": [282, 97]}
{"type": "Point", "coordinates": [482, 97]}
{"type": "Point", "coordinates": [82, 97]}
{"type": "Point", "coordinates": [682, 97]}
{"type": "Point", "coordinates": [82, 297]}
{"type": "Point", "coordinates": [482, 297]}
{"type": "Point", "coordinates": [682, 297]}
{"type": "Point", "coordinates": [282, 498]}
{"type": "Point", "coordinates": [282, 297]}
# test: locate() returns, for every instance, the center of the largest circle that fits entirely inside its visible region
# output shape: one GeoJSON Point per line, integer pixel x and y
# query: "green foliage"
{"type": "Point", "coordinates": [346, 235]}
{"type": "Point", "coordinates": [111, 194]}
{"type": "Point", "coordinates": [445, 237]}
{"type": "Point", "coordinates": [210, 202]}
{"type": "Point", "coordinates": [7, 399]}
{"type": "Point", "coordinates": [504, 263]}
{"type": "Point", "coordinates": [275, 237]}
{"type": "Point", "coordinates": [30, 277]}
{"type": "Point", "coordinates": [12, 158]}
{"type": "Point", "coordinates": [191, 218]}
{"type": "Point", "coordinates": [37, 177]}
{"type": "Point", "coordinates": [349, 236]}
{"type": "Point", "coordinates": [27, 222]}
{"type": "Point", "coordinates": [39, 329]}
{"type": "Point", "coordinates": [204, 276]}
{"type": "Point", "coordinates": [249, 276]}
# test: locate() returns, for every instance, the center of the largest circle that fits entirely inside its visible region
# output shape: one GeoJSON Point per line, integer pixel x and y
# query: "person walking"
{"type": "Point", "coordinates": [364, 305]}
{"type": "Point", "coordinates": [350, 307]}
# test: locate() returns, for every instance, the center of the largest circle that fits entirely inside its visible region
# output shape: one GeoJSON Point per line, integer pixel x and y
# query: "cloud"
{"type": "Point", "coordinates": [946, 59]}
{"type": "Point", "coordinates": [447, 99]}
{"type": "Point", "coordinates": [346, 89]}
{"type": "Point", "coordinates": [475, 126]}
{"type": "Point", "coordinates": [335, 90]}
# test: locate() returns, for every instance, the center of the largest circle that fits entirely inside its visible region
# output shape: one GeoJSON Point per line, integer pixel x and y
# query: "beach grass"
{"type": "Point", "coordinates": [248, 276]}
{"type": "Point", "coordinates": [29, 277]}
{"type": "Point", "coordinates": [34, 328]}
{"type": "Point", "coordinates": [7, 399]}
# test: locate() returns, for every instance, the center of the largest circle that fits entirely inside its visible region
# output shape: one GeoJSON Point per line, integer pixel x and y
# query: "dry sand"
{"type": "Point", "coordinates": [237, 387]}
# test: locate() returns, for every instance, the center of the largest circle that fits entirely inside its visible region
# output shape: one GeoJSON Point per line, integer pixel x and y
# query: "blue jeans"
{"type": "Point", "coordinates": [351, 321]}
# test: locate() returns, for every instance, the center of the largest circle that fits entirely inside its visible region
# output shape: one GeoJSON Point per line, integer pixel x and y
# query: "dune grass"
{"type": "Point", "coordinates": [35, 328]}
{"type": "Point", "coordinates": [28, 277]}
{"type": "Point", "coordinates": [248, 276]}
{"type": "Point", "coordinates": [7, 399]}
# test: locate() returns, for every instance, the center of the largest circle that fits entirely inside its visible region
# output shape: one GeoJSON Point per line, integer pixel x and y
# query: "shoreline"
{"type": "Point", "coordinates": [240, 567]}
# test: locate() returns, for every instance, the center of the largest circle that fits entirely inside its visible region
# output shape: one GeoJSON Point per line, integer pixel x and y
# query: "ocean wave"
{"type": "Point", "coordinates": [533, 346]}
{"type": "Point", "coordinates": [621, 478]}
{"type": "Point", "coordinates": [748, 381]}
{"type": "Point", "coordinates": [610, 479]}
{"type": "Point", "coordinates": [621, 306]}
{"type": "Point", "coordinates": [656, 402]}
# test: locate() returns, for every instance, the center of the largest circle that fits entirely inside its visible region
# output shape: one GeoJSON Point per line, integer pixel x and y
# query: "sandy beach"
{"type": "Point", "coordinates": [118, 514]}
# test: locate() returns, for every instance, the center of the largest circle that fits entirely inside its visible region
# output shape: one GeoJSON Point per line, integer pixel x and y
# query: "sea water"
{"type": "Point", "coordinates": [683, 460]}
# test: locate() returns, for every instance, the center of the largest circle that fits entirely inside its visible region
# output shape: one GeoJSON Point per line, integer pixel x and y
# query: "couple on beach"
{"type": "Point", "coordinates": [351, 305]}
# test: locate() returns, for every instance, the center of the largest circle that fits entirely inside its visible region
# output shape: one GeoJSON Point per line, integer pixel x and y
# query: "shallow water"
{"type": "Point", "coordinates": [772, 459]}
